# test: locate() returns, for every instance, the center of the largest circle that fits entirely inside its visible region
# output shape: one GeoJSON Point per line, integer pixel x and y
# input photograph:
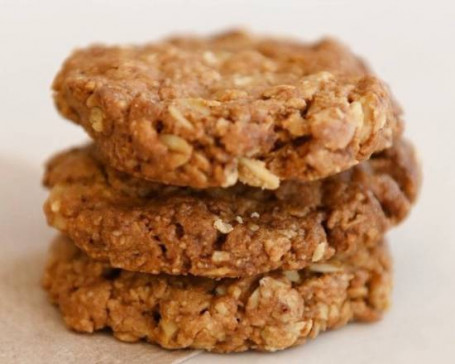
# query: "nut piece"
{"type": "Point", "coordinates": [324, 268]}
{"type": "Point", "coordinates": [222, 227]}
{"type": "Point", "coordinates": [292, 275]}
{"type": "Point", "coordinates": [254, 173]}
{"type": "Point", "coordinates": [318, 253]}
{"type": "Point", "coordinates": [96, 119]}
{"type": "Point", "coordinates": [231, 178]}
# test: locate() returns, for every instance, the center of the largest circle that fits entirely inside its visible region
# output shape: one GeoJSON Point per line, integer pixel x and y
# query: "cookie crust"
{"type": "Point", "coordinates": [268, 312]}
{"type": "Point", "coordinates": [240, 231]}
{"type": "Point", "coordinates": [208, 112]}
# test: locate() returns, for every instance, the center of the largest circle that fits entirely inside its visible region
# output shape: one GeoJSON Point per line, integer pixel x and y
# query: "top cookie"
{"type": "Point", "coordinates": [207, 112]}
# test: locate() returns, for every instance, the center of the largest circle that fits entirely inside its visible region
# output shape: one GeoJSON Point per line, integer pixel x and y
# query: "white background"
{"type": "Point", "coordinates": [410, 44]}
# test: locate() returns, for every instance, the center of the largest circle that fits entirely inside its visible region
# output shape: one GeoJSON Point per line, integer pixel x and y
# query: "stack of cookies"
{"type": "Point", "coordinates": [236, 195]}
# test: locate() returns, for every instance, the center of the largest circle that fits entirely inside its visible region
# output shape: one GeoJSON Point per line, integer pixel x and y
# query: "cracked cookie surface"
{"type": "Point", "coordinates": [208, 112]}
{"type": "Point", "coordinates": [235, 232]}
{"type": "Point", "coordinates": [266, 312]}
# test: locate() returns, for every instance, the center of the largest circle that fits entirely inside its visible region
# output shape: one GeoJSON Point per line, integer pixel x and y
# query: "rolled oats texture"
{"type": "Point", "coordinates": [211, 111]}
{"type": "Point", "coordinates": [268, 312]}
{"type": "Point", "coordinates": [240, 231]}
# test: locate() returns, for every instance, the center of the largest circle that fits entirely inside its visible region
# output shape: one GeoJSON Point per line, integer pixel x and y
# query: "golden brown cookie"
{"type": "Point", "coordinates": [208, 112]}
{"type": "Point", "coordinates": [235, 232]}
{"type": "Point", "coordinates": [267, 312]}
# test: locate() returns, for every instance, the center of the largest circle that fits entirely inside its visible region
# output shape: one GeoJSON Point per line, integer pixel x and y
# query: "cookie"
{"type": "Point", "coordinates": [239, 231]}
{"type": "Point", "coordinates": [267, 312]}
{"type": "Point", "coordinates": [208, 112]}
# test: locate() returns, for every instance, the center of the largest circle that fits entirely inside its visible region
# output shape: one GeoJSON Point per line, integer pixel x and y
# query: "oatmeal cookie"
{"type": "Point", "coordinates": [266, 312]}
{"type": "Point", "coordinates": [240, 231]}
{"type": "Point", "coordinates": [208, 112]}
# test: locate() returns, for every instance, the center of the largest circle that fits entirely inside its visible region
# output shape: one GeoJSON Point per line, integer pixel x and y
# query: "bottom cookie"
{"type": "Point", "coordinates": [267, 312]}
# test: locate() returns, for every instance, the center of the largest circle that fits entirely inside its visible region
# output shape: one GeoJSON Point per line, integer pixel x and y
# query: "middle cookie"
{"type": "Point", "coordinates": [239, 231]}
